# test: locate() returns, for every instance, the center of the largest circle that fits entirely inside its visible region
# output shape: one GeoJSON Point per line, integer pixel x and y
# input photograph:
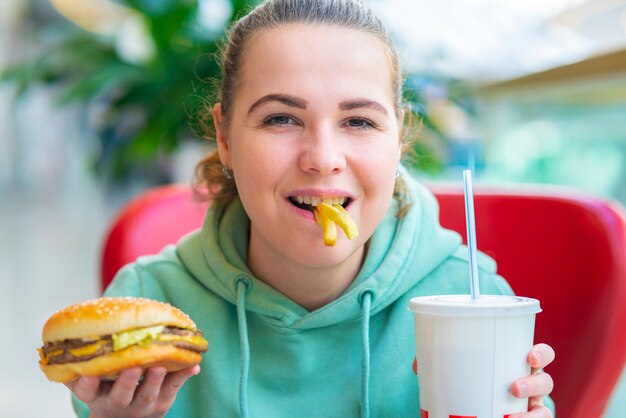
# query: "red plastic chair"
{"type": "Point", "coordinates": [567, 250]}
{"type": "Point", "coordinates": [150, 221]}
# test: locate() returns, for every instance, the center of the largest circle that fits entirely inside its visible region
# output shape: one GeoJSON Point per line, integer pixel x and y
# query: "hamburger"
{"type": "Point", "coordinates": [101, 337]}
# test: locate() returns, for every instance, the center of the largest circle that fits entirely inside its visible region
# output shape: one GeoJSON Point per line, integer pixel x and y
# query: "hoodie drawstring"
{"type": "Point", "coordinates": [242, 287]}
{"type": "Point", "coordinates": [366, 304]}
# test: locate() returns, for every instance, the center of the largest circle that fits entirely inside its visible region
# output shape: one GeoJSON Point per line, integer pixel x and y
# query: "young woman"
{"type": "Point", "coordinates": [309, 111]}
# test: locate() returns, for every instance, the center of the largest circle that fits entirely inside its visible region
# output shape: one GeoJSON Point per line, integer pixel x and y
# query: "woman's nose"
{"type": "Point", "coordinates": [322, 153]}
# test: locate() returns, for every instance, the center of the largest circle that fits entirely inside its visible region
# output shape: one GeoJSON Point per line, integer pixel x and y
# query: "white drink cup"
{"type": "Point", "coordinates": [469, 352]}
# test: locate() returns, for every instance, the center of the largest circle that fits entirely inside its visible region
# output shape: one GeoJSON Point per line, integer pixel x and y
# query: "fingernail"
{"type": "Point", "coordinates": [133, 373]}
{"type": "Point", "coordinates": [522, 390]}
{"type": "Point", "coordinates": [86, 380]}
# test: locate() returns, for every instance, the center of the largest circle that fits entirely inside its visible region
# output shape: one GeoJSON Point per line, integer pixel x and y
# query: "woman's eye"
{"type": "Point", "coordinates": [359, 123]}
{"type": "Point", "coordinates": [278, 120]}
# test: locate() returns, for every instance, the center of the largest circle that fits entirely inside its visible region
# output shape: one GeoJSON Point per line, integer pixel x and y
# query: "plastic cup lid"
{"type": "Point", "coordinates": [464, 305]}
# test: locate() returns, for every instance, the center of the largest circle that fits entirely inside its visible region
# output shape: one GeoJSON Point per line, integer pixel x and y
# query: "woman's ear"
{"type": "Point", "coordinates": [221, 137]}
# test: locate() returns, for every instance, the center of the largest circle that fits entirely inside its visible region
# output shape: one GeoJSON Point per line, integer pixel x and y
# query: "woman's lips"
{"type": "Point", "coordinates": [305, 213]}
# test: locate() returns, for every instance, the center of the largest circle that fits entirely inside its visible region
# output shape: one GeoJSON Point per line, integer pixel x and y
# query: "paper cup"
{"type": "Point", "coordinates": [470, 351]}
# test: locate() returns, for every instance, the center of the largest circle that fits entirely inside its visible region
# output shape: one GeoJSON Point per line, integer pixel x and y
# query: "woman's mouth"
{"type": "Point", "coordinates": [310, 202]}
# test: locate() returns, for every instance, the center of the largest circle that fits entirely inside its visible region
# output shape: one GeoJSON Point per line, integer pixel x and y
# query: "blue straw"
{"type": "Point", "coordinates": [471, 233]}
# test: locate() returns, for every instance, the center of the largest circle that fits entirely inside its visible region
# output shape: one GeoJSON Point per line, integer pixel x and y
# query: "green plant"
{"type": "Point", "coordinates": [145, 106]}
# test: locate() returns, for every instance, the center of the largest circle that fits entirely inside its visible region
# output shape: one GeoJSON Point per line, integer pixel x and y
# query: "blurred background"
{"type": "Point", "coordinates": [99, 101]}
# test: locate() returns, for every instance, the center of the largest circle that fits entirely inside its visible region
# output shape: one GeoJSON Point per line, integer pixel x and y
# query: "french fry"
{"type": "Point", "coordinates": [346, 223]}
{"type": "Point", "coordinates": [338, 214]}
{"type": "Point", "coordinates": [329, 227]}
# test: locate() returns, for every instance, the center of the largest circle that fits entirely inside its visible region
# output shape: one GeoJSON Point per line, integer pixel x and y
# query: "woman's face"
{"type": "Point", "coordinates": [313, 117]}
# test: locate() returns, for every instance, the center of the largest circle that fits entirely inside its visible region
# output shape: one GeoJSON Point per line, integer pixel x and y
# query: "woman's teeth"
{"type": "Point", "coordinates": [311, 202]}
{"type": "Point", "coordinates": [315, 200]}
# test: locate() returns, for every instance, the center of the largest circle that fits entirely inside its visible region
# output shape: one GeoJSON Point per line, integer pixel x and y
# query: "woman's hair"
{"type": "Point", "coordinates": [211, 181]}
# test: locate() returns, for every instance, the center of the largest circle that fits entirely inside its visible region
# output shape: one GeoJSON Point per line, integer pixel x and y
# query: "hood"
{"type": "Point", "coordinates": [400, 253]}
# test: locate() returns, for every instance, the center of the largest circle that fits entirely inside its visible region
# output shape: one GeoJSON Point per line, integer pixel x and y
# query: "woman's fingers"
{"type": "Point", "coordinates": [540, 412]}
{"type": "Point", "coordinates": [85, 388]}
{"type": "Point", "coordinates": [174, 381]}
{"type": "Point", "coordinates": [535, 402]}
{"type": "Point", "coordinates": [123, 390]}
{"type": "Point", "coordinates": [154, 396]}
{"type": "Point", "coordinates": [540, 356]}
{"type": "Point", "coordinates": [538, 384]}
{"type": "Point", "coordinates": [149, 390]}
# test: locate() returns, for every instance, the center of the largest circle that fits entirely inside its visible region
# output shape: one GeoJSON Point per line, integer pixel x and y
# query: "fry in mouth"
{"type": "Point", "coordinates": [328, 217]}
{"type": "Point", "coordinates": [329, 228]}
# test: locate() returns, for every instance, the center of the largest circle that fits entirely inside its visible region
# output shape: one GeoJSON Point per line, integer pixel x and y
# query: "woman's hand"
{"type": "Point", "coordinates": [536, 386]}
{"type": "Point", "coordinates": [126, 396]}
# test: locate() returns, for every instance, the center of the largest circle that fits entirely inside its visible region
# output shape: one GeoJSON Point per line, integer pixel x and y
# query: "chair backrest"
{"type": "Point", "coordinates": [145, 225]}
{"type": "Point", "coordinates": [567, 250]}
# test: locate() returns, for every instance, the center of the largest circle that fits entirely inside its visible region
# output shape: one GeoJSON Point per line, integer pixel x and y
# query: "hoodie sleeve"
{"type": "Point", "coordinates": [127, 282]}
{"type": "Point", "coordinates": [80, 408]}
{"type": "Point", "coordinates": [494, 284]}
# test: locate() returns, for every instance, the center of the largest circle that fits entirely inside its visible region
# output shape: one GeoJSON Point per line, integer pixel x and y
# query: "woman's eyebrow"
{"type": "Point", "coordinates": [363, 103]}
{"type": "Point", "coordinates": [282, 98]}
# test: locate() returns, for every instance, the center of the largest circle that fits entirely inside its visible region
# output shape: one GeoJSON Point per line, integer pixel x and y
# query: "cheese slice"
{"type": "Point", "coordinates": [87, 349]}
{"type": "Point", "coordinates": [192, 339]}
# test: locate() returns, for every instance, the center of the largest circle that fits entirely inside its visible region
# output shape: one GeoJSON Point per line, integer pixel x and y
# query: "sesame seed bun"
{"type": "Point", "coordinates": [105, 316]}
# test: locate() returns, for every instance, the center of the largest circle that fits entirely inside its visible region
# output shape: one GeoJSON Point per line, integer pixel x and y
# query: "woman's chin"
{"type": "Point", "coordinates": [319, 255]}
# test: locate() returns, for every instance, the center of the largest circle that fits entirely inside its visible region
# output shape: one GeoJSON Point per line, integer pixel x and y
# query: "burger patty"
{"type": "Point", "coordinates": [65, 346]}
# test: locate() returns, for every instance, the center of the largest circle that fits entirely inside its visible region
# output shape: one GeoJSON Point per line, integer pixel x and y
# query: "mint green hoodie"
{"type": "Point", "coordinates": [273, 358]}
